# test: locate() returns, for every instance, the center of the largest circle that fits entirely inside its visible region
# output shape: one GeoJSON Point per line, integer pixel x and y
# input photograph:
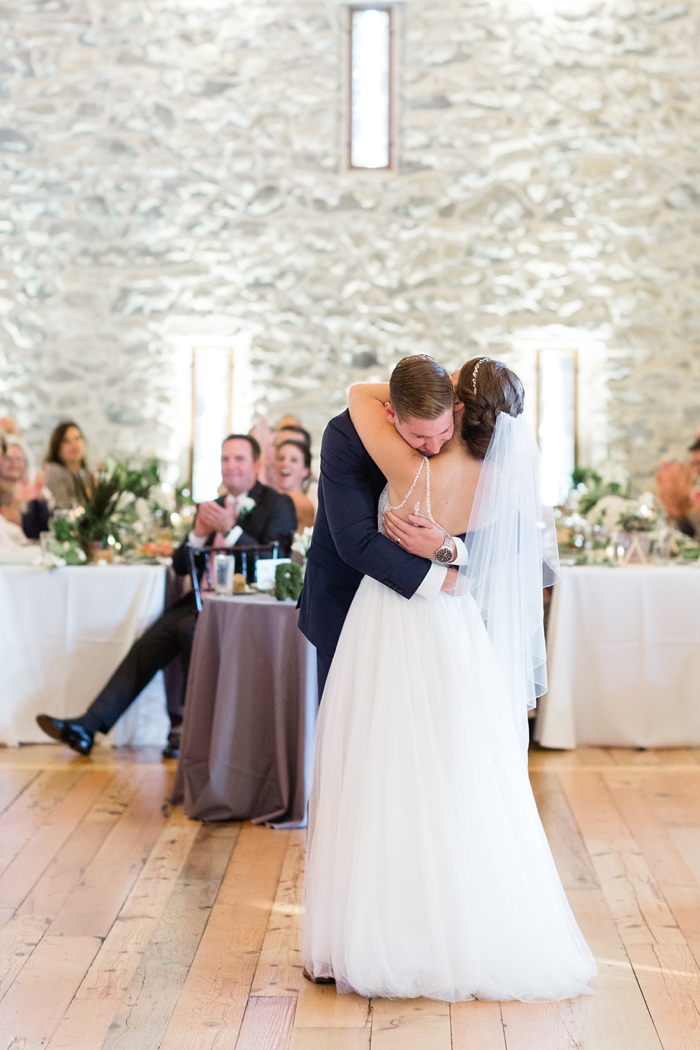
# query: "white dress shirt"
{"type": "Point", "coordinates": [230, 537]}
{"type": "Point", "coordinates": [432, 584]}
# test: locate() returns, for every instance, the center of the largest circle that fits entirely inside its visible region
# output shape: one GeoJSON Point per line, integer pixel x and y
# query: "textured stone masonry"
{"type": "Point", "coordinates": [170, 168]}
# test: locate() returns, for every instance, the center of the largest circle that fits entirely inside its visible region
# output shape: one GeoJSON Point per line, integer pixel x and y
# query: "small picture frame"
{"type": "Point", "coordinates": [265, 572]}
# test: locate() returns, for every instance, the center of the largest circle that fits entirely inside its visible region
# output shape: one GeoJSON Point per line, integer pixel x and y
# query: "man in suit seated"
{"type": "Point", "coordinates": [270, 518]}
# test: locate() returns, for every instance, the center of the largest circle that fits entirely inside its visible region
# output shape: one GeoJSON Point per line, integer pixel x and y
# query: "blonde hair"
{"type": "Point", "coordinates": [421, 388]}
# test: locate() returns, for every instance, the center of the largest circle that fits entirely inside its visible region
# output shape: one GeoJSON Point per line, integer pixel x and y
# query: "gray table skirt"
{"type": "Point", "coordinates": [247, 735]}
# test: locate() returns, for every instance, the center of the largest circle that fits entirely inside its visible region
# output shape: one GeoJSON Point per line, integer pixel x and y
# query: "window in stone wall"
{"type": "Point", "coordinates": [212, 398]}
{"type": "Point", "coordinates": [557, 381]}
{"type": "Point", "coordinates": [370, 72]}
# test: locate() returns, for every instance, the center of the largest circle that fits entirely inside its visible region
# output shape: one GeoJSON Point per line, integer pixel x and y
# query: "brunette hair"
{"type": "Point", "coordinates": [253, 442]}
{"type": "Point", "coordinates": [302, 435]}
{"type": "Point", "coordinates": [695, 447]}
{"type": "Point", "coordinates": [304, 449]}
{"type": "Point", "coordinates": [56, 440]}
{"type": "Point", "coordinates": [421, 388]}
{"type": "Point", "coordinates": [485, 388]}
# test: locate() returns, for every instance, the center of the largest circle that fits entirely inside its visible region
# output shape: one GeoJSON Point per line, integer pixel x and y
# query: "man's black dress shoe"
{"type": "Point", "coordinates": [67, 732]}
{"type": "Point", "coordinates": [172, 748]}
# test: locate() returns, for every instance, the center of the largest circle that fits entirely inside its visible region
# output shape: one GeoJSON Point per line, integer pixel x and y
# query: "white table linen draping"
{"type": "Point", "coordinates": [62, 634]}
{"type": "Point", "coordinates": [623, 658]}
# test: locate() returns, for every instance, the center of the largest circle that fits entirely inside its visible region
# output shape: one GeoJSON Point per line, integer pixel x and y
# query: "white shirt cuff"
{"type": "Point", "coordinates": [432, 584]}
{"type": "Point", "coordinates": [233, 535]}
{"type": "Point", "coordinates": [462, 552]}
{"type": "Point", "coordinates": [229, 541]}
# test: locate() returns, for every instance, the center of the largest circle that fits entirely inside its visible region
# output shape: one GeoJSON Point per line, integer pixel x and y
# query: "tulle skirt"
{"type": "Point", "coordinates": [428, 870]}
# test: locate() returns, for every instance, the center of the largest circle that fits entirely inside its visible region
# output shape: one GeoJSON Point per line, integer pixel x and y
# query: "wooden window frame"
{"type": "Point", "coordinates": [391, 10]}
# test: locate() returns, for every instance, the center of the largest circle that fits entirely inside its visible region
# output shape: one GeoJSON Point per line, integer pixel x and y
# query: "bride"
{"type": "Point", "coordinates": [429, 873]}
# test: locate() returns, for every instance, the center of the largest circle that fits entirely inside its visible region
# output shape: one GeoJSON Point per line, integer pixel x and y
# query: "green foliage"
{"type": "Point", "coordinates": [289, 578]}
{"type": "Point", "coordinates": [636, 523]}
{"type": "Point", "coordinates": [100, 515]}
{"type": "Point", "coordinates": [595, 488]}
{"type": "Point", "coordinates": [70, 551]}
{"type": "Point", "coordinates": [63, 530]}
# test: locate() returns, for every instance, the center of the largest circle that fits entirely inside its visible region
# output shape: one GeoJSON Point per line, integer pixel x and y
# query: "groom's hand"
{"type": "Point", "coordinates": [417, 535]}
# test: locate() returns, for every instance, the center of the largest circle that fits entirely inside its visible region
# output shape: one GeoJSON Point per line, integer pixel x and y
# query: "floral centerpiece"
{"type": "Point", "coordinates": [112, 506]}
{"type": "Point", "coordinates": [289, 577]}
{"type": "Point", "coordinates": [601, 508]}
{"type": "Point", "coordinates": [301, 544]}
{"type": "Point", "coordinates": [151, 529]}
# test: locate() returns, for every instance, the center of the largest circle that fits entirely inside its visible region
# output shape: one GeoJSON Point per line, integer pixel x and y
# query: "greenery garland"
{"type": "Point", "coordinates": [289, 578]}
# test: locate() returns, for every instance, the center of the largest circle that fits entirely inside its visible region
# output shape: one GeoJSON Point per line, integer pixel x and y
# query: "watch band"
{"type": "Point", "coordinates": [445, 552]}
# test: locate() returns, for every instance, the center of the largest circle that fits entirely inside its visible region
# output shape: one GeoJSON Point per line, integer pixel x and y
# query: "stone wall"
{"type": "Point", "coordinates": [170, 171]}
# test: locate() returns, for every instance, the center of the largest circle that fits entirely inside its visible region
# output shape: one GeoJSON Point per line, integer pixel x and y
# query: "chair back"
{"type": "Point", "coordinates": [244, 563]}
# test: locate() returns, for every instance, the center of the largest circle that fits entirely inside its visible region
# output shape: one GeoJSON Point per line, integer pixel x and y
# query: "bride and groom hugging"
{"type": "Point", "coordinates": [347, 543]}
{"type": "Point", "coordinates": [428, 871]}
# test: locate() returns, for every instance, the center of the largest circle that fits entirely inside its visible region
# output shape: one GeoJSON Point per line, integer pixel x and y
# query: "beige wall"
{"type": "Point", "coordinates": [169, 170]}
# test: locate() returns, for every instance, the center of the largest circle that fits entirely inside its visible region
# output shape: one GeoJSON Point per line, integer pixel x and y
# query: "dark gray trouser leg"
{"type": "Point", "coordinates": [323, 666]}
{"type": "Point", "coordinates": [171, 635]}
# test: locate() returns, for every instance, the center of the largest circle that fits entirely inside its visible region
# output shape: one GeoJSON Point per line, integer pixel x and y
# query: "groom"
{"type": "Point", "coordinates": [346, 543]}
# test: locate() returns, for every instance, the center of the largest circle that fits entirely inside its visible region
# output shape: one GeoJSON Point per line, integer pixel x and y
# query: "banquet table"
{"type": "Point", "coordinates": [62, 634]}
{"type": "Point", "coordinates": [623, 658]}
{"type": "Point", "coordinates": [250, 709]}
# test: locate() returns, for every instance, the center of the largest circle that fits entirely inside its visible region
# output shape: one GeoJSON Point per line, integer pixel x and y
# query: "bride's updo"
{"type": "Point", "coordinates": [485, 388]}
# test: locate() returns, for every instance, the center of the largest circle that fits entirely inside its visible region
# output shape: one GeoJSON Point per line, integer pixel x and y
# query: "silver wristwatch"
{"type": "Point", "coordinates": [446, 550]}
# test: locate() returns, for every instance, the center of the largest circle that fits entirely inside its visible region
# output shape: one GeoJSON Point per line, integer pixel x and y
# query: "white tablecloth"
{"type": "Point", "coordinates": [623, 658]}
{"type": "Point", "coordinates": [62, 634]}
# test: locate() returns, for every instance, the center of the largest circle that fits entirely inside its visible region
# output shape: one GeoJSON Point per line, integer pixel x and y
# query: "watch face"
{"type": "Point", "coordinates": [443, 554]}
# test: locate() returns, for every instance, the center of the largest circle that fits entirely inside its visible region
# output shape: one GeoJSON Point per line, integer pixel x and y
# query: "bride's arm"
{"type": "Point", "coordinates": [367, 404]}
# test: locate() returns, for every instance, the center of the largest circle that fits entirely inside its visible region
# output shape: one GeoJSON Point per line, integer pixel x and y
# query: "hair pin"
{"type": "Point", "coordinates": [476, 371]}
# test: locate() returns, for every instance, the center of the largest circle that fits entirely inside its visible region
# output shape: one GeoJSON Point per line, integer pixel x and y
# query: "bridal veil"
{"type": "Point", "coordinates": [512, 556]}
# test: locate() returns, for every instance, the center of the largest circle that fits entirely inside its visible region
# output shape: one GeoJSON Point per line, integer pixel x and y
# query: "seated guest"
{"type": "Point", "coordinates": [31, 494]}
{"type": "Point", "coordinates": [295, 432]}
{"type": "Point", "coordinates": [67, 476]}
{"type": "Point", "coordinates": [270, 519]}
{"type": "Point", "coordinates": [14, 545]}
{"type": "Point", "coordinates": [293, 461]}
{"type": "Point", "coordinates": [268, 439]}
{"type": "Point", "coordinates": [679, 496]}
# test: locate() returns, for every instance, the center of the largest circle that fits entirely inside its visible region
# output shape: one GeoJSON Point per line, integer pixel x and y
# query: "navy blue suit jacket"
{"type": "Point", "coordinates": [346, 544]}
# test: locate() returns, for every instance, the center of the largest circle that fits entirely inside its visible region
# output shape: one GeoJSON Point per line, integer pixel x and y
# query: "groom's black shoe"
{"type": "Point", "coordinates": [318, 980]}
{"type": "Point", "coordinates": [71, 733]}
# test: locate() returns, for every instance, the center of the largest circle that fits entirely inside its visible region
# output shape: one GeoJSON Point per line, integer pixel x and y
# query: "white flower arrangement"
{"type": "Point", "coordinates": [245, 507]}
{"type": "Point", "coordinates": [302, 541]}
{"type": "Point", "coordinates": [608, 511]}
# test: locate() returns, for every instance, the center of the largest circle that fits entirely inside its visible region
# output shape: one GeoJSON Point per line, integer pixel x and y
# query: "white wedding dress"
{"type": "Point", "coordinates": [429, 873]}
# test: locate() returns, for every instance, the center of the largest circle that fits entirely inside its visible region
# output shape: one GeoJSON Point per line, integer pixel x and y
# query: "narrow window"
{"type": "Point", "coordinates": [370, 87]}
{"type": "Point", "coordinates": [212, 393]}
{"type": "Point", "coordinates": [556, 421]}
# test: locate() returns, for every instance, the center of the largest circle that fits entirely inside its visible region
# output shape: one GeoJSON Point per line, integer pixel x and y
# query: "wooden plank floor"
{"type": "Point", "coordinates": [125, 926]}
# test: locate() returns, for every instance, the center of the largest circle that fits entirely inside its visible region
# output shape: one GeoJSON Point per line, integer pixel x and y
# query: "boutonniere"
{"type": "Point", "coordinates": [245, 507]}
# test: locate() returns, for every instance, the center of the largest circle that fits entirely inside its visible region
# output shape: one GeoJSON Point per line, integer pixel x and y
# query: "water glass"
{"type": "Point", "coordinates": [617, 548]}
{"type": "Point", "coordinates": [223, 573]}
